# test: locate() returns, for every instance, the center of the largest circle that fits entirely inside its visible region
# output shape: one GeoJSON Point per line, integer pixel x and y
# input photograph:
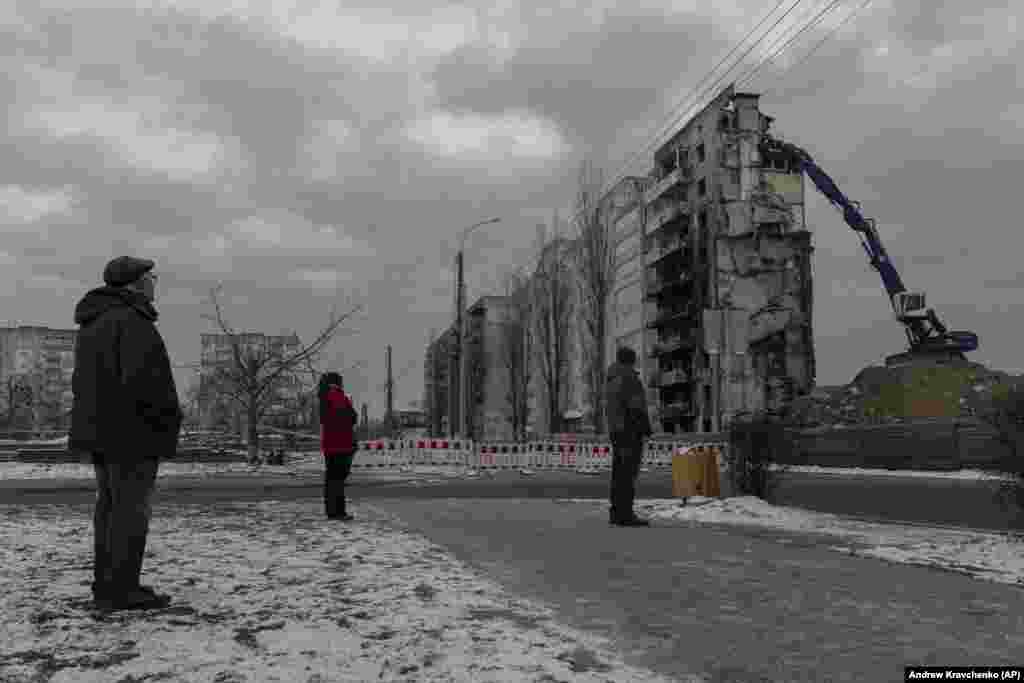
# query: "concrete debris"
{"type": "Point", "coordinates": [881, 395]}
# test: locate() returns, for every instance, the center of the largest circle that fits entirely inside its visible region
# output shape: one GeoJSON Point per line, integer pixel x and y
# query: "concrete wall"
{"type": "Point", "coordinates": [926, 445]}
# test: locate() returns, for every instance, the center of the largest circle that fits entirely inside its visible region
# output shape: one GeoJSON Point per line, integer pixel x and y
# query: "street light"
{"type": "Point", "coordinates": [456, 401]}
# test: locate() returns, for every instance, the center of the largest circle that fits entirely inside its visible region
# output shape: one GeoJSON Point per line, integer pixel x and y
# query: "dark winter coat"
{"type": "Point", "coordinates": [125, 400]}
{"type": "Point", "coordinates": [337, 424]}
{"type": "Point", "coordinates": [626, 405]}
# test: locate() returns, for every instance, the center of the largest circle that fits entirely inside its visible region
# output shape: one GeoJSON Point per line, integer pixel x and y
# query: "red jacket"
{"type": "Point", "coordinates": [337, 422]}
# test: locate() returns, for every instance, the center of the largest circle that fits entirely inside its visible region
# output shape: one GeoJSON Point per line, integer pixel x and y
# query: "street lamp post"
{"type": "Point", "coordinates": [458, 401]}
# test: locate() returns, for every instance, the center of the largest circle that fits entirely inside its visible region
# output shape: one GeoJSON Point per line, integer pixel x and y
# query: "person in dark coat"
{"type": "Point", "coordinates": [127, 416]}
{"type": "Point", "coordinates": [628, 426]}
{"type": "Point", "coordinates": [338, 419]}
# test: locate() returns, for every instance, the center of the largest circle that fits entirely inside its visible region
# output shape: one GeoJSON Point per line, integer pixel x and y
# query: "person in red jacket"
{"type": "Point", "coordinates": [337, 442]}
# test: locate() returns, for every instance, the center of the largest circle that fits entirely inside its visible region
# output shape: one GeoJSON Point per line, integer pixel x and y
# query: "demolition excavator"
{"type": "Point", "coordinates": [928, 339]}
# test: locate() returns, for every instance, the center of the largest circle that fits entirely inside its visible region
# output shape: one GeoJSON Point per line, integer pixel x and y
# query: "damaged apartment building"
{"type": "Point", "coordinates": [713, 285]}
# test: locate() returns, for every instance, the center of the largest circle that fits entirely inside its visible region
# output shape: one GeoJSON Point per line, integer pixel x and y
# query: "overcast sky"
{"type": "Point", "coordinates": [304, 154]}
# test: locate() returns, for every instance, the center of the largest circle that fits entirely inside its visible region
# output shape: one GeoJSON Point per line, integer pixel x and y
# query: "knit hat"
{"type": "Point", "coordinates": [126, 269]}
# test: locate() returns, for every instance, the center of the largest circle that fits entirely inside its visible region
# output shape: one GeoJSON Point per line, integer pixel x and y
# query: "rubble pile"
{"type": "Point", "coordinates": [882, 395]}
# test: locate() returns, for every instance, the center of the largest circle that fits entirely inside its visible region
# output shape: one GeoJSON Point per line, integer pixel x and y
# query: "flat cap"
{"type": "Point", "coordinates": [126, 269]}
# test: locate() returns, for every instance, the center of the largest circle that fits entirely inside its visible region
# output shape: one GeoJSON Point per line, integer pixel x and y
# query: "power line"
{"type": "Point", "coordinates": [821, 42]}
{"type": "Point", "coordinates": [659, 131]}
{"type": "Point", "coordinates": [714, 86]}
{"type": "Point", "coordinates": [618, 175]}
{"type": "Point", "coordinates": [749, 76]}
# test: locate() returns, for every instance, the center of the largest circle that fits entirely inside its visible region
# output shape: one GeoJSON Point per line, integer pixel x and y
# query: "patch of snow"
{"type": "Point", "coordinates": [296, 464]}
{"type": "Point", "coordinates": [990, 556]}
{"type": "Point", "coordinates": [969, 475]}
{"type": "Point", "coordinates": [273, 591]}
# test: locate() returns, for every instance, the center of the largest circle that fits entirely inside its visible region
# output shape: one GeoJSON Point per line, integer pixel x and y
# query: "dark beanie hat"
{"type": "Point", "coordinates": [126, 269]}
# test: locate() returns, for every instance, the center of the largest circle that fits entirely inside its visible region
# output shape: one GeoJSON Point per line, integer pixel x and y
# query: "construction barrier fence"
{"type": "Point", "coordinates": [547, 454]}
{"type": "Point", "coordinates": [534, 455]}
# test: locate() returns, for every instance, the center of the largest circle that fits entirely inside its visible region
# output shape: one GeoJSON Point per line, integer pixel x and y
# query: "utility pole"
{"type": "Point", "coordinates": [458, 420]}
{"type": "Point", "coordinates": [366, 423]}
{"type": "Point", "coordinates": [391, 396]}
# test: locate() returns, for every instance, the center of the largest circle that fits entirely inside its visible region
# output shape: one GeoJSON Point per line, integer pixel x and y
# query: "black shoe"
{"type": "Point", "coordinates": [158, 596]}
{"type": "Point", "coordinates": [636, 521]}
{"type": "Point", "coordinates": [134, 599]}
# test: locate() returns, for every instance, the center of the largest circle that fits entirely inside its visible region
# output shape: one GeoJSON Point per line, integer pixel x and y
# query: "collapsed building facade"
{"type": "Point", "coordinates": [727, 280]}
{"type": "Point", "coordinates": [712, 289]}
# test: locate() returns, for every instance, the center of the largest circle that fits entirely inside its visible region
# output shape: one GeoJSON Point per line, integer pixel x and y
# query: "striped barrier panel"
{"type": "Point", "coordinates": [404, 454]}
{"type": "Point", "coordinates": [503, 456]}
{"type": "Point", "coordinates": [365, 454]}
{"type": "Point", "coordinates": [517, 456]}
{"type": "Point", "coordinates": [435, 452]}
{"type": "Point", "coordinates": [587, 456]}
{"type": "Point", "coordinates": [547, 457]}
{"type": "Point", "coordinates": [537, 456]}
{"type": "Point", "coordinates": [567, 453]}
{"type": "Point", "coordinates": [486, 457]}
{"type": "Point", "coordinates": [659, 454]}
{"type": "Point", "coordinates": [380, 454]}
{"type": "Point", "coordinates": [419, 452]}
{"type": "Point", "coordinates": [460, 453]}
{"type": "Point", "coordinates": [600, 456]}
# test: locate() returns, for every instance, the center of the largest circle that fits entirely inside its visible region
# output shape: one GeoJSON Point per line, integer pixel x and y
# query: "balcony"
{"type": "Point", "coordinates": [672, 181]}
{"type": "Point", "coordinates": [674, 377]}
{"type": "Point", "coordinates": [674, 313]}
{"type": "Point", "coordinates": [657, 286]}
{"type": "Point", "coordinates": [665, 248]}
{"type": "Point", "coordinates": [666, 216]}
{"type": "Point", "coordinates": [676, 410]}
{"type": "Point", "coordinates": [670, 343]}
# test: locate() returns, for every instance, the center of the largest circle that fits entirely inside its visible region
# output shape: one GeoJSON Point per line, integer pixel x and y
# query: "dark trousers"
{"type": "Point", "coordinates": [626, 457]}
{"type": "Point", "coordinates": [124, 498]}
{"type": "Point", "coordinates": [336, 471]}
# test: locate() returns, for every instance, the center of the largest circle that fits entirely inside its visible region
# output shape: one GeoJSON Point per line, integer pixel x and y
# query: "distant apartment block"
{"type": "Point", "coordinates": [36, 367]}
{"type": "Point", "coordinates": [217, 409]}
{"type": "Point", "coordinates": [485, 397]}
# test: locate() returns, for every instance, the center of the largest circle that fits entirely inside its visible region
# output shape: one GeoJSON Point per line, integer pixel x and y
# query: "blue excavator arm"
{"type": "Point", "coordinates": [924, 333]}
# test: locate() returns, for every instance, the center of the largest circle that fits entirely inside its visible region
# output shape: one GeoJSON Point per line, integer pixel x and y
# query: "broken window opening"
{"type": "Point", "coordinates": [701, 155]}
{"type": "Point", "coordinates": [702, 187]}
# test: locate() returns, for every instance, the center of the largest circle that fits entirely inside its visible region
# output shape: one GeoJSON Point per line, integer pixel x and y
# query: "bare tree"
{"type": "Point", "coordinates": [551, 302]}
{"type": "Point", "coordinates": [596, 275]}
{"type": "Point", "coordinates": [254, 373]}
{"type": "Point", "coordinates": [515, 349]}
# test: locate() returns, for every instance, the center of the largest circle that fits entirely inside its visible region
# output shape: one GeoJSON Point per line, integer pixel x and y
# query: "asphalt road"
{"type": "Point", "coordinates": [736, 604]}
{"type": "Point", "coordinates": [923, 501]}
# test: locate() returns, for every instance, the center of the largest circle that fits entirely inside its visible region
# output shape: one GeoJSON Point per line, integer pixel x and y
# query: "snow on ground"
{"type": "Point", "coordinates": [972, 475]}
{"type": "Point", "coordinates": [273, 591]}
{"type": "Point", "coordinates": [297, 464]}
{"type": "Point", "coordinates": [990, 556]}
{"type": "Point", "coordinates": [301, 464]}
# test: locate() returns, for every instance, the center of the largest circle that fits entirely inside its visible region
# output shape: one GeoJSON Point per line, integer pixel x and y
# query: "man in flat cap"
{"type": "Point", "coordinates": [126, 414]}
